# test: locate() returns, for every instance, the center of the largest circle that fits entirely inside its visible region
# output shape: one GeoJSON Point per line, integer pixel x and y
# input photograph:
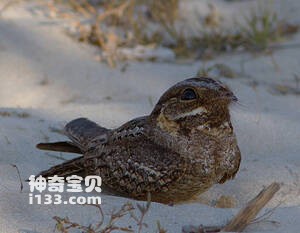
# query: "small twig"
{"type": "Point", "coordinates": [159, 228]}
{"type": "Point", "coordinates": [90, 7]}
{"type": "Point", "coordinates": [118, 11]}
{"type": "Point", "coordinates": [63, 225]}
{"type": "Point", "coordinates": [7, 140]}
{"type": "Point", "coordinates": [79, 8]}
{"type": "Point", "coordinates": [99, 224]}
{"type": "Point", "coordinates": [247, 214]}
{"type": "Point", "coordinates": [266, 215]}
{"type": "Point", "coordinates": [21, 186]}
{"type": "Point", "coordinates": [143, 210]}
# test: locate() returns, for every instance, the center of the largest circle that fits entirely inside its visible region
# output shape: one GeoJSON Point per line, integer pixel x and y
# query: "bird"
{"type": "Point", "coordinates": [181, 149]}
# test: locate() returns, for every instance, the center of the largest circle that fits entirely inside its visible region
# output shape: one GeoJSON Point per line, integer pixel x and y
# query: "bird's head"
{"type": "Point", "coordinates": [192, 103]}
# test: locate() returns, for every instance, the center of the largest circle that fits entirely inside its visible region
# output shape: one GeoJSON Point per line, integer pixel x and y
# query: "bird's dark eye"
{"type": "Point", "coordinates": [188, 94]}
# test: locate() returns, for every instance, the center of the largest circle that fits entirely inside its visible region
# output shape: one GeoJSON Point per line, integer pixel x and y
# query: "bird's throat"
{"type": "Point", "coordinates": [167, 125]}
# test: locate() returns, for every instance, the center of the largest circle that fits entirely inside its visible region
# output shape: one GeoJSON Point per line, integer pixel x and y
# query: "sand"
{"type": "Point", "coordinates": [48, 79]}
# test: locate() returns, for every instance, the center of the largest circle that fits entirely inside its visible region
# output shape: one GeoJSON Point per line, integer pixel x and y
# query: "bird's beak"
{"type": "Point", "coordinates": [234, 98]}
{"type": "Point", "coordinates": [229, 96]}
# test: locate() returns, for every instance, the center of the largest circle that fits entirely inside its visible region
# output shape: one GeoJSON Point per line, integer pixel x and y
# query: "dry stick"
{"type": "Point", "coordinates": [245, 216]}
{"type": "Point", "coordinates": [89, 7]}
{"type": "Point", "coordinates": [118, 11]}
{"type": "Point", "coordinates": [248, 213]}
{"type": "Point", "coordinates": [102, 37]}
{"type": "Point", "coordinates": [79, 8]}
{"type": "Point", "coordinates": [21, 183]}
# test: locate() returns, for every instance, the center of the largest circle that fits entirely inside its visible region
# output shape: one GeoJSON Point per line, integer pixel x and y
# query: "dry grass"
{"type": "Point", "coordinates": [263, 27]}
{"type": "Point", "coordinates": [64, 225]}
{"type": "Point", "coordinates": [217, 70]}
{"type": "Point", "coordinates": [14, 114]}
{"type": "Point", "coordinates": [114, 24]}
{"type": "Point", "coordinates": [117, 24]}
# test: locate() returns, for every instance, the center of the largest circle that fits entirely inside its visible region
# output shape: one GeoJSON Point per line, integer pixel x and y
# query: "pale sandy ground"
{"type": "Point", "coordinates": [55, 79]}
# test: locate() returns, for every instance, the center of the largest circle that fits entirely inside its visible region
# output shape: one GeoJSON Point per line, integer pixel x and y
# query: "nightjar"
{"type": "Point", "coordinates": [181, 149]}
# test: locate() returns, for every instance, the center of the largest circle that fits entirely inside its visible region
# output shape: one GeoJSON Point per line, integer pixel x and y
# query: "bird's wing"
{"type": "Point", "coordinates": [82, 131]}
{"type": "Point", "coordinates": [131, 163]}
{"type": "Point", "coordinates": [103, 139]}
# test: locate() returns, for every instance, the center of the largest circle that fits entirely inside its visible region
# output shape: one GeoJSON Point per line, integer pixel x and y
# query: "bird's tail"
{"type": "Point", "coordinates": [60, 146]}
{"type": "Point", "coordinates": [71, 167]}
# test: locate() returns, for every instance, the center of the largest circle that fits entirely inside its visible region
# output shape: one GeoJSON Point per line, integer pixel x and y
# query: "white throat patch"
{"type": "Point", "coordinates": [194, 112]}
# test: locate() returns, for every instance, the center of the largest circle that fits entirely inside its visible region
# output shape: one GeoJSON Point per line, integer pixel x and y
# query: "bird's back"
{"type": "Point", "coordinates": [132, 164]}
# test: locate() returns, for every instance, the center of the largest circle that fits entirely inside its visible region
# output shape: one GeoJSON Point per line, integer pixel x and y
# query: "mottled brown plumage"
{"type": "Point", "coordinates": [182, 148]}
